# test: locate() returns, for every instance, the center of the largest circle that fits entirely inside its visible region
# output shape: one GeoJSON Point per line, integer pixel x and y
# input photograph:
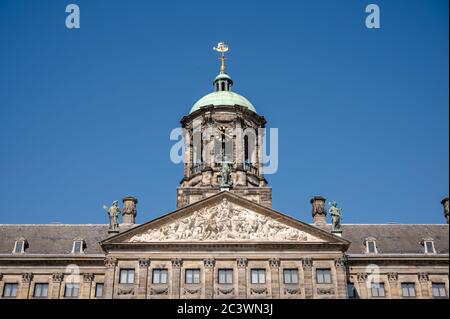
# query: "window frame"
{"type": "Point", "coordinates": [320, 271]}
{"type": "Point", "coordinates": [425, 245]}
{"type": "Point", "coordinates": [97, 285]}
{"type": "Point", "coordinates": [159, 272]}
{"type": "Point", "coordinates": [290, 271]}
{"type": "Point", "coordinates": [259, 272]}
{"type": "Point", "coordinates": [82, 246]}
{"type": "Point", "coordinates": [227, 272]}
{"type": "Point", "coordinates": [408, 287]}
{"type": "Point", "coordinates": [10, 284]}
{"type": "Point", "coordinates": [128, 271]}
{"type": "Point", "coordinates": [381, 287]}
{"type": "Point", "coordinates": [193, 272]}
{"type": "Point", "coordinates": [24, 246]}
{"type": "Point", "coordinates": [439, 289]}
{"type": "Point", "coordinates": [70, 286]}
{"type": "Point", "coordinates": [351, 287]}
{"type": "Point", "coordinates": [41, 285]}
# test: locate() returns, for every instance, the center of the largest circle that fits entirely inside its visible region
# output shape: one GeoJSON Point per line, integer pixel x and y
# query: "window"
{"type": "Point", "coordinates": [99, 290]}
{"type": "Point", "coordinates": [439, 290]}
{"type": "Point", "coordinates": [258, 276]}
{"type": "Point", "coordinates": [159, 276]}
{"type": "Point", "coordinates": [20, 246]}
{"type": "Point", "coordinates": [323, 276]}
{"type": "Point", "coordinates": [408, 290]}
{"type": "Point", "coordinates": [429, 247]}
{"type": "Point", "coordinates": [72, 290]}
{"type": "Point", "coordinates": [126, 276]}
{"type": "Point", "coordinates": [378, 290]}
{"type": "Point", "coordinates": [371, 247]}
{"type": "Point", "coordinates": [225, 276]}
{"type": "Point", "coordinates": [40, 290]}
{"type": "Point", "coordinates": [10, 290]}
{"type": "Point", "coordinates": [290, 276]}
{"type": "Point", "coordinates": [78, 246]}
{"type": "Point", "coordinates": [192, 276]}
{"type": "Point", "coordinates": [351, 290]}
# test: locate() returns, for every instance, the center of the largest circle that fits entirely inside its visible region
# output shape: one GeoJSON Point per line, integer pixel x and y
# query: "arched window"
{"type": "Point", "coordinates": [223, 86]}
{"type": "Point", "coordinates": [246, 155]}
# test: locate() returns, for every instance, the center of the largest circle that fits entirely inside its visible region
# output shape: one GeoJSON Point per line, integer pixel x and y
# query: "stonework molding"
{"type": "Point", "coordinates": [57, 277]}
{"type": "Point", "coordinates": [361, 276]}
{"type": "Point", "coordinates": [110, 262]}
{"type": "Point", "coordinates": [125, 292]}
{"type": "Point", "coordinates": [88, 277]}
{"type": "Point", "coordinates": [177, 262]}
{"type": "Point", "coordinates": [258, 291]}
{"type": "Point", "coordinates": [307, 263]}
{"type": "Point", "coordinates": [393, 276]}
{"type": "Point", "coordinates": [159, 291]}
{"type": "Point", "coordinates": [274, 262]}
{"type": "Point", "coordinates": [340, 262]}
{"type": "Point", "coordinates": [242, 262]}
{"type": "Point", "coordinates": [325, 291]}
{"type": "Point", "coordinates": [292, 291]}
{"type": "Point", "coordinates": [223, 291]}
{"type": "Point", "coordinates": [423, 276]}
{"type": "Point", "coordinates": [188, 291]}
{"type": "Point", "coordinates": [144, 262]}
{"type": "Point", "coordinates": [209, 262]}
{"type": "Point", "coordinates": [224, 222]}
{"type": "Point", "coordinates": [27, 277]}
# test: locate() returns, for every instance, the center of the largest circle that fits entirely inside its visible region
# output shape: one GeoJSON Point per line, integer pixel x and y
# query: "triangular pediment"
{"type": "Point", "coordinates": [225, 217]}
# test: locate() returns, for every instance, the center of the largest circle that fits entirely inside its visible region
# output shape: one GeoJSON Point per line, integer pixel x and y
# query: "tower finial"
{"type": "Point", "coordinates": [222, 48]}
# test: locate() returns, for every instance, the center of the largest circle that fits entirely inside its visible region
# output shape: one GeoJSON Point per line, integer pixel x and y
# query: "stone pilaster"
{"type": "Point", "coordinates": [55, 288]}
{"type": "Point", "coordinates": [24, 289]}
{"type": "Point", "coordinates": [209, 264]}
{"type": "Point", "coordinates": [110, 274]}
{"type": "Point", "coordinates": [86, 286]}
{"type": "Point", "coordinates": [393, 285]}
{"type": "Point", "coordinates": [307, 277]}
{"type": "Point", "coordinates": [362, 285]}
{"type": "Point", "coordinates": [341, 278]}
{"type": "Point", "coordinates": [144, 263]}
{"type": "Point", "coordinates": [177, 263]}
{"type": "Point", "coordinates": [242, 277]}
{"type": "Point", "coordinates": [274, 264]}
{"type": "Point", "coordinates": [424, 287]}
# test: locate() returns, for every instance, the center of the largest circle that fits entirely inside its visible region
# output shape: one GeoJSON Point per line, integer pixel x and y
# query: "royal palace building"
{"type": "Point", "coordinates": [225, 240]}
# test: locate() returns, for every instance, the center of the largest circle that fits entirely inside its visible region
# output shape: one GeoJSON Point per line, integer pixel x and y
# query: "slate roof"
{"type": "Point", "coordinates": [55, 239]}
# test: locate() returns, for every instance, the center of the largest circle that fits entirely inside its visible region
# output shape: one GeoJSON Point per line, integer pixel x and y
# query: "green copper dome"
{"type": "Point", "coordinates": [223, 98]}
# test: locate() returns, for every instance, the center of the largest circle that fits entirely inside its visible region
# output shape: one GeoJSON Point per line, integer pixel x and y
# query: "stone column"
{"type": "Point", "coordinates": [129, 211]}
{"type": "Point", "coordinates": [242, 277]}
{"type": "Point", "coordinates": [144, 263]}
{"type": "Point", "coordinates": [110, 274]}
{"type": "Point", "coordinates": [177, 263]}
{"type": "Point", "coordinates": [341, 278]}
{"type": "Point", "coordinates": [24, 291]}
{"type": "Point", "coordinates": [319, 212]}
{"type": "Point", "coordinates": [187, 152]}
{"type": "Point", "coordinates": [55, 289]}
{"type": "Point", "coordinates": [393, 285]}
{"type": "Point", "coordinates": [424, 288]}
{"type": "Point", "coordinates": [445, 204]}
{"type": "Point", "coordinates": [275, 277]}
{"type": "Point", "coordinates": [362, 285]}
{"type": "Point", "coordinates": [86, 288]}
{"type": "Point", "coordinates": [209, 264]}
{"type": "Point", "coordinates": [307, 277]}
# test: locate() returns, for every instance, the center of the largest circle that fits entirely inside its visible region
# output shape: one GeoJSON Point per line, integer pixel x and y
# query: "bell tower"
{"type": "Point", "coordinates": [223, 138]}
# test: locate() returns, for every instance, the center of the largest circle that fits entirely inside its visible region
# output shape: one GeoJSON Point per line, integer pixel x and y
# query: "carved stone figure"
{"type": "Point", "coordinates": [113, 213]}
{"type": "Point", "coordinates": [336, 217]}
{"type": "Point", "coordinates": [225, 171]}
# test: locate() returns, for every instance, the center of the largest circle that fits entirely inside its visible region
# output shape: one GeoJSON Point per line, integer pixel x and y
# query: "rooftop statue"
{"type": "Point", "coordinates": [113, 213]}
{"type": "Point", "coordinates": [336, 217]}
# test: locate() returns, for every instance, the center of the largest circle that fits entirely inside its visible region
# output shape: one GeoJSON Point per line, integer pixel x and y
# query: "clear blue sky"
{"type": "Point", "coordinates": [86, 114]}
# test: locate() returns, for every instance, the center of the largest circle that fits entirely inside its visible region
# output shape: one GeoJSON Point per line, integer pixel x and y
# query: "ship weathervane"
{"type": "Point", "coordinates": [222, 47]}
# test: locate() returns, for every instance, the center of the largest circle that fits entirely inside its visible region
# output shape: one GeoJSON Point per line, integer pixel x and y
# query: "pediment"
{"type": "Point", "coordinates": [225, 217]}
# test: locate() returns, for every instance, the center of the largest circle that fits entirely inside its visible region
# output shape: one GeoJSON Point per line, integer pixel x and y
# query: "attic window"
{"type": "Point", "coordinates": [371, 245]}
{"type": "Point", "coordinates": [428, 245]}
{"type": "Point", "coordinates": [78, 246]}
{"type": "Point", "coordinates": [20, 245]}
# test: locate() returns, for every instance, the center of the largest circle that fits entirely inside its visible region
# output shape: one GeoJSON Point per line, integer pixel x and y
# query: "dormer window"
{"type": "Point", "coordinates": [428, 244]}
{"type": "Point", "coordinates": [20, 245]}
{"type": "Point", "coordinates": [78, 246]}
{"type": "Point", "coordinates": [371, 245]}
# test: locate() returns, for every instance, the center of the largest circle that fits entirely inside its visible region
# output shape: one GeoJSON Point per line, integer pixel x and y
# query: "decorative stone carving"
{"type": "Point", "coordinates": [177, 262]}
{"type": "Point", "coordinates": [392, 276]}
{"type": "Point", "coordinates": [221, 291]}
{"type": "Point", "coordinates": [242, 262]}
{"type": "Point", "coordinates": [258, 291]}
{"type": "Point", "coordinates": [88, 277]}
{"type": "Point", "coordinates": [57, 277]}
{"type": "Point", "coordinates": [224, 222]}
{"type": "Point", "coordinates": [361, 276]}
{"type": "Point", "coordinates": [274, 262]}
{"type": "Point", "coordinates": [209, 262]}
{"type": "Point", "coordinates": [129, 210]}
{"type": "Point", "coordinates": [292, 291]}
{"type": "Point", "coordinates": [188, 291]}
{"type": "Point", "coordinates": [125, 292]}
{"type": "Point", "coordinates": [27, 277]}
{"type": "Point", "coordinates": [423, 276]}
{"type": "Point", "coordinates": [340, 262]}
{"type": "Point", "coordinates": [325, 291]}
{"type": "Point", "coordinates": [159, 291]}
{"type": "Point", "coordinates": [307, 263]}
{"type": "Point", "coordinates": [110, 262]}
{"type": "Point", "coordinates": [144, 262]}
